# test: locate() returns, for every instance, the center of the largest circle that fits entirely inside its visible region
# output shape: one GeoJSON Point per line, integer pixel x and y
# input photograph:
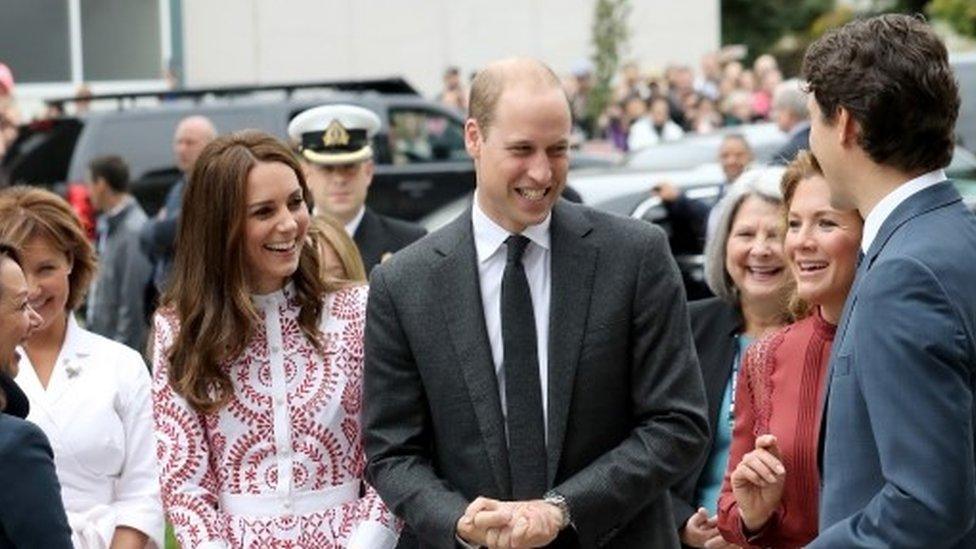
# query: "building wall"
{"type": "Point", "coordinates": [266, 41]}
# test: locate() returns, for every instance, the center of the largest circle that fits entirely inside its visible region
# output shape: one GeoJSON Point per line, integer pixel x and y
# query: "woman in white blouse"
{"type": "Point", "coordinates": [90, 395]}
{"type": "Point", "coordinates": [257, 384]}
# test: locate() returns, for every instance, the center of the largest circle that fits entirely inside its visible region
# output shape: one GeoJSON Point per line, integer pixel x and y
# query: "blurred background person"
{"type": "Point", "coordinates": [793, 118]}
{"type": "Point", "coordinates": [772, 485]}
{"type": "Point", "coordinates": [260, 356]}
{"type": "Point", "coordinates": [340, 257]}
{"type": "Point", "coordinates": [631, 83]}
{"type": "Point", "coordinates": [694, 220]}
{"type": "Point", "coordinates": [158, 235]}
{"type": "Point", "coordinates": [9, 113]}
{"type": "Point", "coordinates": [737, 108]}
{"type": "Point", "coordinates": [453, 95]}
{"type": "Point", "coordinates": [581, 86]}
{"type": "Point", "coordinates": [31, 512]}
{"type": "Point", "coordinates": [89, 394]}
{"type": "Point", "coordinates": [116, 303]}
{"type": "Point", "coordinates": [746, 270]}
{"type": "Point", "coordinates": [708, 80]}
{"type": "Point", "coordinates": [338, 162]}
{"type": "Point", "coordinates": [654, 128]}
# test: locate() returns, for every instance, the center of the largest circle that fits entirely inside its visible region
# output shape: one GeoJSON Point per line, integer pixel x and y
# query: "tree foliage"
{"type": "Point", "coordinates": [960, 14]}
{"type": "Point", "coordinates": [760, 24]}
{"type": "Point", "coordinates": [610, 38]}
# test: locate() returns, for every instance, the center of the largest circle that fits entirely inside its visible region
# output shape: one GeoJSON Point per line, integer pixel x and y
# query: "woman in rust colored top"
{"type": "Point", "coordinates": [770, 494]}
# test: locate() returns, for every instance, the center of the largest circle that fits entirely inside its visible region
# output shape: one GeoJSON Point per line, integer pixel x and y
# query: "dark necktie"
{"type": "Point", "coordinates": [523, 392]}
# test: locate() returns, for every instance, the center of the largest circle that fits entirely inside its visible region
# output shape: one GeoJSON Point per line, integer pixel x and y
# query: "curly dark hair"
{"type": "Point", "coordinates": [892, 74]}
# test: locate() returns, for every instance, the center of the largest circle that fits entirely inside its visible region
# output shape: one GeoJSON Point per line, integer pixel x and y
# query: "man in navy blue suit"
{"type": "Point", "coordinates": [898, 460]}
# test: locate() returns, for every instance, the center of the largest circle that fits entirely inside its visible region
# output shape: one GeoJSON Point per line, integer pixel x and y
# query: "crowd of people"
{"type": "Point", "coordinates": [529, 375]}
{"type": "Point", "coordinates": [651, 107]}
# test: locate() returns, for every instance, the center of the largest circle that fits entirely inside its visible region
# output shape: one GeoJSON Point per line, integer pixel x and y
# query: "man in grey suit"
{"type": "Point", "coordinates": [898, 461]}
{"type": "Point", "coordinates": [530, 378]}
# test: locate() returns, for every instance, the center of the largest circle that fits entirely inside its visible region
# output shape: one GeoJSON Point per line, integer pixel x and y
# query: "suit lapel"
{"type": "Point", "coordinates": [939, 195]}
{"type": "Point", "coordinates": [720, 351]}
{"type": "Point", "coordinates": [368, 238]}
{"type": "Point", "coordinates": [573, 268]}
{"type": "Point", "coordinates": [460, 298]}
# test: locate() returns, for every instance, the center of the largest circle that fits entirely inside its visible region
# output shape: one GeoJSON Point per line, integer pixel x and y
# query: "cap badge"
{"type": "Point", "coordinates": [335, 135]}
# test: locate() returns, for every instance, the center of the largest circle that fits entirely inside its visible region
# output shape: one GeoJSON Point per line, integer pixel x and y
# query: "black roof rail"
{"type": "Point", "coordinates": [392, 85]}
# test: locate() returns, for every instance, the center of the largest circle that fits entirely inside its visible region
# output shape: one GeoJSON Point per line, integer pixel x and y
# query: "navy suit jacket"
{"type": "Point", "coordinates": [31, 511]}
{"type": "Point", "coordinates": [898, 459]}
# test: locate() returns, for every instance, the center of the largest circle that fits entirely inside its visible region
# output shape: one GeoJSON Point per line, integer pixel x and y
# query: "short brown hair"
{"type": "Point", "coordinates": [489, 83]}
{"type": "Point", "coordinates": [113, 169]}
{"type": "Point", "coordinates": [892, 73]}
{"type": "Point", "coordinates": [28, 212]}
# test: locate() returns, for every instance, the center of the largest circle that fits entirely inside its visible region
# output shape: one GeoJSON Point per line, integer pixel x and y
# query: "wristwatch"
{"type": "Point", "coordinates": [553, 497]}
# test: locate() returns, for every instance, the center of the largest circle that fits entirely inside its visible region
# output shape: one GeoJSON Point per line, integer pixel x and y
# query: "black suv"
{"type": "Point", "coordinates": [421, 163]}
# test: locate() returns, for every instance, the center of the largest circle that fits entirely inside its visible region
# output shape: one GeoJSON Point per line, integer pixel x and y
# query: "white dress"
{"type": "Point", "coordinates": [281, 464]}
{"type": "Point", "coordinates": [97, 413]}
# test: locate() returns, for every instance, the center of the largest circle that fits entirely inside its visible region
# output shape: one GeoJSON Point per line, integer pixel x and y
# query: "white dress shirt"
{"type": "Point", "coordinates": [489, 242]}
{"type": "Point", "coordinates": [97, 413]}
{"type": "Point", "coordinates": [354, 222]}
{"type": "Point", "coordinates": [884, 208]}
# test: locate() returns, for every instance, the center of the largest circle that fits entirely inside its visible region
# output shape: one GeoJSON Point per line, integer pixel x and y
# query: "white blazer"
{"type": "Point", "coordinates": [97, 413]}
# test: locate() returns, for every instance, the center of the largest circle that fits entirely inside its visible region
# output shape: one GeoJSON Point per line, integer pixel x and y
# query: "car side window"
{"type": "Point", "coordinates": [421, 136]}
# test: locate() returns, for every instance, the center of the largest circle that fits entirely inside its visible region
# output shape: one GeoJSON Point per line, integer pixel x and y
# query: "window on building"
{"type": "Point", "coordinates": [34, 41]}
{"type": "Point", "coordinates": [75, 41]}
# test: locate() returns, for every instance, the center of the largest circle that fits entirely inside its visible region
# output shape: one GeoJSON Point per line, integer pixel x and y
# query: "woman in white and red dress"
{"type": "Point", "coordinates": [258, 368]}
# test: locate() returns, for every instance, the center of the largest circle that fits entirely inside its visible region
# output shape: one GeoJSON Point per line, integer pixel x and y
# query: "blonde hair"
{"type": "Point", "coordinates": [325, 230]}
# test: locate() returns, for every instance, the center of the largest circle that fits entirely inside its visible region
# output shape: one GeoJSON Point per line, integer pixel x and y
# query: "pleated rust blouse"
{"type": "Point", "coordinates": [779, 392]}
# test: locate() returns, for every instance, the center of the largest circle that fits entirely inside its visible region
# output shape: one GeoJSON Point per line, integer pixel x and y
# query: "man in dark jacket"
{"type": "Point", "coordinates": [793, 118]}
{"type": "Point", "coordinates": [116, 305]}
{"type": "Point", "coordinates": [158, 236]}
{"type": "Point", "coordinates": [334, 141]}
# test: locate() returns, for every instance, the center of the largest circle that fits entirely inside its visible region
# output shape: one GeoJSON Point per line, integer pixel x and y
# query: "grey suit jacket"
{"type": "Point", "coordinates": [626, 407]}
{"type": "Point", "coordinates": [898, 459]}
{"type": "Point", "coordinates": [116, 308]}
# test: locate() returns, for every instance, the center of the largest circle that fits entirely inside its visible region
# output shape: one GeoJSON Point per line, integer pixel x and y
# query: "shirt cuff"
{"type": "Point", "coordinates": [757, 537]}
{"type": "Point", "coordinates": [464, 544]}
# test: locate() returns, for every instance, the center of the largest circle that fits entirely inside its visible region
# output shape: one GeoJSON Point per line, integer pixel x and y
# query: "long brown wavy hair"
{"type": "Point", "coordinates": [207, 290]}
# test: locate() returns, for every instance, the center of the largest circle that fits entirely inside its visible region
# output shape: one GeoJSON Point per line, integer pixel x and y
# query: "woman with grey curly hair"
{"type": "Point", "coordinates": [746, 270]}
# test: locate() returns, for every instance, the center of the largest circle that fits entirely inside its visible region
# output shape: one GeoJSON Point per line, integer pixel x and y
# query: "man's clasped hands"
{"type": "Point", "coordinates": [510, 524]}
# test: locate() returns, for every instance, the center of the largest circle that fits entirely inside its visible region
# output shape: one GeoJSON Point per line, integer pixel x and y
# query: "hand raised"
{"type": "Point", "coordinates": [758, 482]}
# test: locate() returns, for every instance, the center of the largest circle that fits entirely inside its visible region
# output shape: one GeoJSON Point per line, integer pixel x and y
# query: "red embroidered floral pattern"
{"type": "Point", "coordinates": [234, 451]}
